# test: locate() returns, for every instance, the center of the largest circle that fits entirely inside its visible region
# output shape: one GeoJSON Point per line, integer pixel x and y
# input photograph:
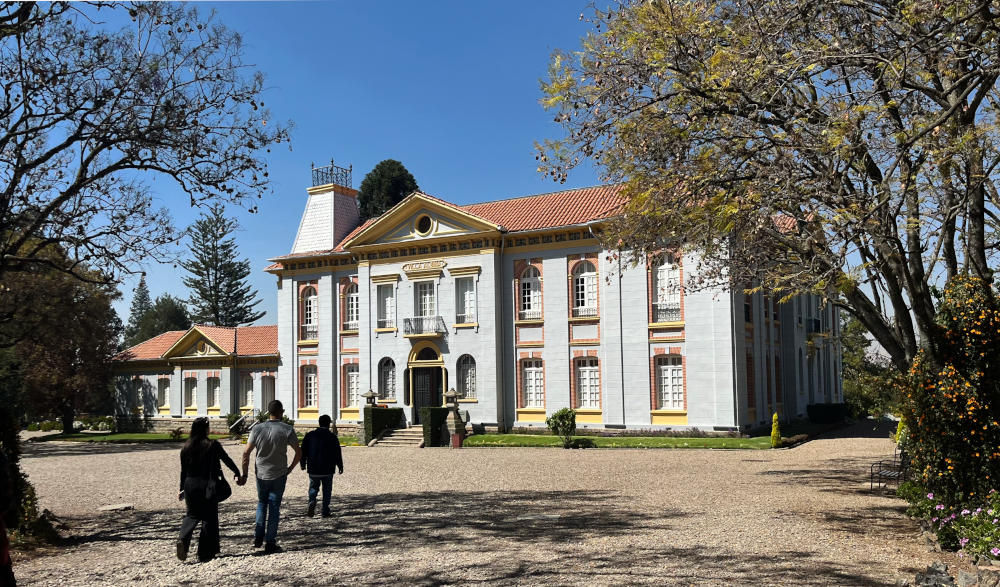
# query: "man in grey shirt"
{"type": "Point", "coordinates": [271, 439]}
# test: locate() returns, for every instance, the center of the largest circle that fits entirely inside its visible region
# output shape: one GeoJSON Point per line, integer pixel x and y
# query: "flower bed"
{"type": "Point", "coordinates": [973, 529]}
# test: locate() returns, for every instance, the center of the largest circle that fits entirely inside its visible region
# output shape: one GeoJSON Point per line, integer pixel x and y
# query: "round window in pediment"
{"type": "Point", "coordinates": [424, 225]}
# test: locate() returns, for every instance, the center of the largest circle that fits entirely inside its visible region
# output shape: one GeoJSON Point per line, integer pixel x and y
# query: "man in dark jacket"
{"type": "Point", "coordinates": [320, 456]}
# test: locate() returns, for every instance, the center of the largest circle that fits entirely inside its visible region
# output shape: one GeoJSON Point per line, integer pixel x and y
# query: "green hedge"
{"type": "Point", "coordinates": [827, 413]}
{"type": "Point", "coordinates": [379, 419]}
{"type": "Point", "coordinates": [435, 430]}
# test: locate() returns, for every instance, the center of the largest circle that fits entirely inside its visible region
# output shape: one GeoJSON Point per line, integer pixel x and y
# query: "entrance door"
{"type": "Point", "coordinates": [426, 389]}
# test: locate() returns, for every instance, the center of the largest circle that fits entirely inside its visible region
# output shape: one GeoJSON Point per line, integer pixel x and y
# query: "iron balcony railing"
{"type": "Point", "coordinates": [584, 312]}
{"type": "Point", "coordinates": [309, 332]}
{"type": "Point", "coordinates": [529, 315]}
{"type": "Point", "coordinates": [424, 325]}
{"type": "Point", "coordinates": [332, 174]}
{"type": "Point", "coordinates": [465, 318]}
{"type": "Point", "coordinates": [386, 323]}
{"type": "Point", "coordinates": [351, 325]}
{"type": "Point", "coordinates": [666, 313]}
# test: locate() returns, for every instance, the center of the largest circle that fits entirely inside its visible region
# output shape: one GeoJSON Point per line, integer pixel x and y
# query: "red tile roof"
{"type": "Point", "coordinates": [552, 210]}
{"type": "Point", "coordinates": [247, 340]}
{"type": "Point", "coordinates": [564, 208]}
{"type": "Point", "coordinates": [152, 348]}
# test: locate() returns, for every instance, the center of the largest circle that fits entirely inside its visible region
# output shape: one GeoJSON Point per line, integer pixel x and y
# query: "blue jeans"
{"type": "Point", "coordinates": [269, 493]}
{"type": "Point", "coordinates": [314, 483]}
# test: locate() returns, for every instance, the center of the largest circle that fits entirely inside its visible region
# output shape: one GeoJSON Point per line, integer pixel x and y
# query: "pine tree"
{"type": "Point", "coordinates": [220, 295]}
{"type": "Point", "coordinates": [384, 187]}
{"type": "Point", "coordinates": [141, 305]}
{"type": "Point", "coordinates": [168, 313]}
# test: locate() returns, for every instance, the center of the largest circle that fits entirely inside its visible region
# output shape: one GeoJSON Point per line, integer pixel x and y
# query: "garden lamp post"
{"type": "Point", "coordinates": [455, 423]}
{"type": "Point", "coordinates": [369, 397]}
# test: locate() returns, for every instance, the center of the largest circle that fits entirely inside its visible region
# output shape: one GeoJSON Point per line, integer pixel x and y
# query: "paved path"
{"type": "Point", "coordinates": [802, 516]}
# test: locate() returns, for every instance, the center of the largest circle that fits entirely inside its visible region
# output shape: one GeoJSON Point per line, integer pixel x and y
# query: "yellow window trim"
{"type": "Point", "coordinates": [585, 342]}
{"type": "Point", "coordinates": [656, 340]}
{"type": "Point", "coordinates": [465, 270]}
{"type": "Point", "coordinates": [386, 330]}
{"type": "Point", "coordinates": [308, 341]}
{"type": "Point", "coordinates": [425, 335]}
{"type": "Point", "coordinates": [585, 319]}
{"type": "Point", "coordinates": [468, 401]}
{"type": "Point", "coordinates": [538, 322]}
{"type": "Point", "coordinates": [677, 324]}
{"type": "Point", "coordinates": [348, 332]}
{"type": "Point", "coordinates": [383, 279]}
{"type": "Point", "coordinates": [533, 344]}
{"type": "Point", "coordinates": [466, 325]}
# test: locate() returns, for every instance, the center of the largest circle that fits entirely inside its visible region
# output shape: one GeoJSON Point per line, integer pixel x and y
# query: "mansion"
{"type": "Point", "coordinates": [512, 303]}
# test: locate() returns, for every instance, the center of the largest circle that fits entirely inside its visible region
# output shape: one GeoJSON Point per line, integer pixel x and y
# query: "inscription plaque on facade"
{"type": "Point", "coordinates": [424, 266]}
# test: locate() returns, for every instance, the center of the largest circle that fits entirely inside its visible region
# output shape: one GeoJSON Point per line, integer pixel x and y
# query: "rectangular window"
{"type": "Point", "coordinates": [534, 383]}
{"type": "Point", "coordinates": [531, 296]}
{"type": "Point", "coordinates": [190, 391]}
{"type": "Point", "coordinates": [424, 302]}
{"type": "Point", "coordinates": [386, 306]}
{"type": "Point", "coordinates": [246, 391]}
{"type": "Point", "coordinates": [162, 391]}
{"type": "Point", "coordinates": [310, 385]}
{"type": "Point", "coordinates": [213, 391]}
{"type": "Point", "coordinates": [352, 309]}
{"type": "Point", "coordinates": [465, 300]}
{"type": "Point", "coordinates": [670, 382]}
{"type": "Point", "coordinates": [353, 398]}
{"type": "Point", "coordinates": [588, 383]}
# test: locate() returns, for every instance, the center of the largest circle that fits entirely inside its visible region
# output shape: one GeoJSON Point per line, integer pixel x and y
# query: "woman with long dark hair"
{"type": "Point", "coordinates": [201, 471]}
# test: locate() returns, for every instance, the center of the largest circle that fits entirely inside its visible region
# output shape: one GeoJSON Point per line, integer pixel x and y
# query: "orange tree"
{"type": "Point", "coordinates": [952, 405]}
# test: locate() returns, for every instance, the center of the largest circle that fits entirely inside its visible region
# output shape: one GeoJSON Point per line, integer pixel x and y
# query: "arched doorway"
{"type": "Point", "coordinates": [426, 378]}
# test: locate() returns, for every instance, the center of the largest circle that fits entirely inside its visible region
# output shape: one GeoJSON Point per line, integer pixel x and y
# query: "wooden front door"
{"type": "Point", "coordinates": [426, 389]}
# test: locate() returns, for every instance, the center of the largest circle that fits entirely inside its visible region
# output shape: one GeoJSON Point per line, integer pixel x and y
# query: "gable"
{"type": "Point", "coordinates": [419, 217]}
{"type": "Point", "coordinates": [437, 225]}
{"type": "Point", "coordinates": [195, 343]}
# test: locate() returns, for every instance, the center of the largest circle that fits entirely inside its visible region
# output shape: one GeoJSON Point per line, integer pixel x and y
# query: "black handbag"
{"type": "Point", "coordinates": [218, 488]}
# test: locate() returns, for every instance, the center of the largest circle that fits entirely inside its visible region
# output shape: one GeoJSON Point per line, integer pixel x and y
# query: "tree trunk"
{"type": "Point", "coordinates": [68, 415]}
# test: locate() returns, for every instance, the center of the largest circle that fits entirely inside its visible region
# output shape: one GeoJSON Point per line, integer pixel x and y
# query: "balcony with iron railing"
{"type": "Point", "coordinates": [663, 312]}
{"type": "Point", "coordinates": [350, 325]}
{"type": "Point", "coordinates": [465, 318]}
{"type": "Point", "coordinates": [386, 323]}
{"type": "Point", "coordinates": [309, 332]}
{"type": "Point", "coordinates": [424, 326]}
{"type": "Point", "coordinates": [331, 173]}
{"type": "Point", "coordinates": [585, 312]}
{"type": "Point", "coordinates": [529, 315]}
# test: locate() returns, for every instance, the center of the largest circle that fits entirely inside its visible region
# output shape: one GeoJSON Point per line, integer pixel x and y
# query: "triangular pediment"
{"type": "Point", "coordinates": [420, 217]}
{"type": "Point", "coordinates": [194, 344]}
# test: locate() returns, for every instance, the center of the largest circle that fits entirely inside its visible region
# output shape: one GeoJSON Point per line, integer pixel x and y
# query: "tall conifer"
{"type": "Point", "coordinates": [220, 295]}
{"type": "Point", "coordinates": [384, 187]}
{"type": "Point", "coordinates": [141, 305]}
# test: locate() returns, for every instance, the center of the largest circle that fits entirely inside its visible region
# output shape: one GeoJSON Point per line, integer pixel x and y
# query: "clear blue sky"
{"type": "Point", "coordinates": [450, 89]}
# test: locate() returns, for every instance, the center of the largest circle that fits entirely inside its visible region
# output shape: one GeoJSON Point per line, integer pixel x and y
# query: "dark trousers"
{"type": "Point", "coordinates": [200, 509]}
{"type": "Point", "coordinates": [314, 485]}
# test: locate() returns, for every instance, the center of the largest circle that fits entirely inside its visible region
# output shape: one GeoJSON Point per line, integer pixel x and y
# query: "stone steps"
{"type": "Point", "coordinates": [412, 437]}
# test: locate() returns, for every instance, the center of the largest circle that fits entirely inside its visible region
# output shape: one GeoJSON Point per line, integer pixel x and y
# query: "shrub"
{"type": "Point", "coordinates": [435, 430]}
{"type": "Point", "coordinates": [563, 425]}
{"type": "Point", "coordinates": [263, 417]}
{"type": "Point", "coordinates": [950, 407]}
{"type": "Point", "coordinates": [33, 427]}
{"type": "Point", "coordinates": [238, 430]}
{"type": "Point", "coordinates": [177, 434]}
{"type": "Point", "coordinates": [973, 528]}
{"type": "Point", "coordinates": [775, 432]}
{"type": "Point", "coordinates": [827, 413]}
{"type": "Point", "coordinates": [379, 419]}
{"type": "Point", "coordinates": [582, 443]}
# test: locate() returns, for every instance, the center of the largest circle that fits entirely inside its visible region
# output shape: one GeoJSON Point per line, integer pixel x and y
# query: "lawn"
{"type": "Point", "coordinates": [760, 442]}
{"type": "Point", "coordinates": [146, 438]}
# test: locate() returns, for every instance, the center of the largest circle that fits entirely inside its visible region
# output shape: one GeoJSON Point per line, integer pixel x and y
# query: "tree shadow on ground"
{"type": "Point", "coordinates": [844, 475]}
{"type": "Point", "coordinates": [65, 448]}
{"type": "Point", "coordinates": [867, 428]}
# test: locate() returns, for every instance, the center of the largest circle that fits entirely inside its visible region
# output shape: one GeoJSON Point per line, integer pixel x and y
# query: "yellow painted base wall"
{"type": "Point", "coordinates": [589, 416]}
{"type": "Point", "coordinates": [668, 418]}
{"type": "Point", "coordinates": [531, 415]}
{"type": "Point", "coordinates": [346, 414]}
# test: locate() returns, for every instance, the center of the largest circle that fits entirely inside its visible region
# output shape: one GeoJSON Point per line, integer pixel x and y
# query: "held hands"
{"type": "Point", "coordinates": [180, 495]}
{"type": "Point", "coordinates": [341, 470]}
{"type": "Point", "coordinates": [240, 480]}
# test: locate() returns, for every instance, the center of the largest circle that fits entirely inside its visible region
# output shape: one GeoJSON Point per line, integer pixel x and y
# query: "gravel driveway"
{"type": "Point", "coordinates": [801, 516]}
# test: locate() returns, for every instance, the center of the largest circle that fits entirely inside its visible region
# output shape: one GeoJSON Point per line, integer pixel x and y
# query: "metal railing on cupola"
{"type": "Point", "coordinates": [331, 173]}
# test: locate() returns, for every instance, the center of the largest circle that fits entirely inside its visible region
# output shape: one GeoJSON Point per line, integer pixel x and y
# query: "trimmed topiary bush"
{"type": "Point", "coordinates": [775, 432]}
{"type": "Point", "coordinates": [435, 429]}
{"type": "Point", "coordinates": [563, 425]}
{"type": "Point", "coordinates": [379, 419]}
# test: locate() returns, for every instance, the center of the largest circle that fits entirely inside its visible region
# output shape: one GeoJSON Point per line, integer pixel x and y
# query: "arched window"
{"type": "Point", "coordinates": [467, 377]}
{"type": "Point", "coordinates": [351, 308]}
{"type": "Point", "coordinates": [667, 288]}
{"type": "Point", "coordinates": [530, 295]}
{"type": "Point", "coordinates": [386, 378]}
{"type": "Point", "coordinates": [310, 314]}
{"type": "Point", "coordinates": [427, 354]}
{"type": "Point", "coordinates": [584, 289]}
